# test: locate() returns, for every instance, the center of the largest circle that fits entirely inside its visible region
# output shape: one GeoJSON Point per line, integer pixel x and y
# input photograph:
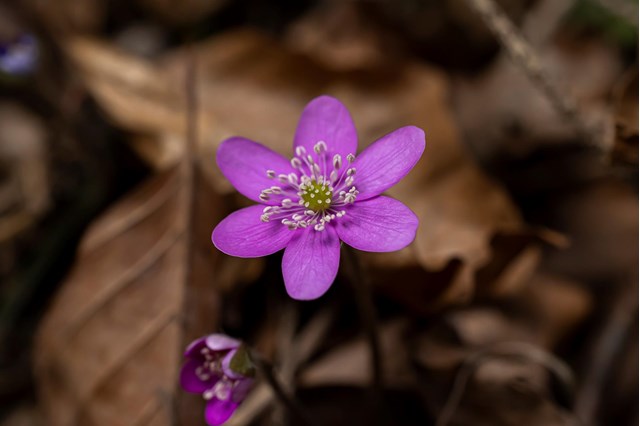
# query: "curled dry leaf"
{"type": "Point", "coordinates": [138, 96]}
{"type": "Point", "coordinates": [146, 282]}
{"type": "Point", "coordinates": [260, 96]}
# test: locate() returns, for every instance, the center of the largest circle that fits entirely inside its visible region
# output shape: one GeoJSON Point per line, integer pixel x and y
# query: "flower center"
{"type": "Point", "coordinates": [316, 194]}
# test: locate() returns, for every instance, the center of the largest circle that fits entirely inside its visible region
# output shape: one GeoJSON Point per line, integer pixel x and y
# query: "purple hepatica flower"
{"type": "Point", "coordinates": [208, 372]}
{"type": "Point", "coordinates": [323, 195]}
{"type": "Point", "coordinates": [19, 57]}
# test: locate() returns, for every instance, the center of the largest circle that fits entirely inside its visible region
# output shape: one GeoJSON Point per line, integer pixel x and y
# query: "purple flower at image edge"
{"type": "Point", "coordinates": [19, 56]}
{"type": "Point", "coordinates": [323, 195]}
{"type": "Point", "coordinates": [208, 371]}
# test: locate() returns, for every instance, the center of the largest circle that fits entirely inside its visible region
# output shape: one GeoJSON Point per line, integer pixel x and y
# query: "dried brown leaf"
{"type": "Point", "coordinates": [145, 283]}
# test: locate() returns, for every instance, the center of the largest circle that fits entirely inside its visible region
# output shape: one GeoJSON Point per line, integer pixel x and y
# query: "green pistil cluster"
{"type": "Point", "coordinates": [316, 195]}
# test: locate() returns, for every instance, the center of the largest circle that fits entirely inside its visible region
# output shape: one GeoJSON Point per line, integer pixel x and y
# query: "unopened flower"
{"type": "Point", "coordinates": [19, 56]}
{"type": "Point", "coordinates": [217, 367]}
{"type": "Point", "coordinates": [324, 194]}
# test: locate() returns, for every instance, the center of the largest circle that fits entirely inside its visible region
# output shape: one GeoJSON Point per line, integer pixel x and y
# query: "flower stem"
{"type": "Point", "coordinates": [367, 309]}
{"type": "Point", "coordinates": [266, 369]}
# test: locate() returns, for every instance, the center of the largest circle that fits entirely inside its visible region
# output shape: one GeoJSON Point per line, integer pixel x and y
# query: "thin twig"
{"type": "Point", "coordinates": [366, 306]}
{"type": "Point", "coordinates": [525, 56]}
{"type": "Point", "coordinates": [267, 370]}
{"type": "Point", "coordinates": [507, 349]}
{"type": "Point", "coordinates": [610, 340]}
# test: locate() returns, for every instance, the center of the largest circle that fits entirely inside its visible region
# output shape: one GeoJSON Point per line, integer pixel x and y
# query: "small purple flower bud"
{"type": "Point", "coordinates": [219, 368]}
{"type": "Point", "coordinates": [19, 56]}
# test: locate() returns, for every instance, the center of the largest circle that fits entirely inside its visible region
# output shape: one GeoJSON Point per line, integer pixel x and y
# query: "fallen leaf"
{"type": "Point", "coordinates": [147, 281]}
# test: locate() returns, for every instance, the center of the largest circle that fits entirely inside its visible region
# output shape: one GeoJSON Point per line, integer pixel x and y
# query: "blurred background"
{"type": "Point", "coordinates": [516, 304]}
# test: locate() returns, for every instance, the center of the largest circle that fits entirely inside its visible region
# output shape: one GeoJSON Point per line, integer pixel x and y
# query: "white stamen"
{"type": "Point", "coordinates": [296, 163]}
{"type": "Point", "coordinates": [300, 151]}
{"type": "Point", "coordinates": [351, 158]}
{"type": "Point", "coordinates": [337, 161]}
{"type": "Point", "coordinates": [320, 147]}
{"type": "Point", "coordinates": [271, 174]}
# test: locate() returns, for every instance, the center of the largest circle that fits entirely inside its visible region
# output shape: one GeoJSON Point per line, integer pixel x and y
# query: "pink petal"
{"type": "Point", "coordinates": [327, 119]}
{"type": "Point", "coordinates": [217, 412]}
{"type": "Point", "coordinates": [245, 163]}
{"type": "Point", "coordinates": [189, 380]}
{"type": "Point", "coordinates": [194, 347]}
{"type": "Point", "coordinates": [221, 342]}
{"type": "Point", "coordinates": [379, 224]}
{"type": "Point", "coordinates": [243, 234]}
{"type": "Point", "coordinates": [310, 263]}
{"type": "Point", "coordinates": [385, 162]}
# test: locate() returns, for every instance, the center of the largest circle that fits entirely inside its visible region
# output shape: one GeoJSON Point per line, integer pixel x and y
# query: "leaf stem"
{"type": "Point", "coordinates": [367, 309]}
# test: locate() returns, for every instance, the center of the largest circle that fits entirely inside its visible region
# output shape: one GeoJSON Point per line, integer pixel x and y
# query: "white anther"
{"type": "Point", "coordinates": [296, 163]}
{"type": "Point", "coordinates": [333, 176]}
{"type": "Point", "coordinates": [320, 147]}
{"type": "Point", "coordinates": [351, 171]}
{"type": "Point", "coordinates": [222, 390]}
{"type": "Point", "coordinates": [271, 174]}
{"type": "Point", "coordinates": [264, 197]}
{"type": "Point", "coordinates": [276, 190]}
{"type": "Point", "coordinates": [319, 227]}
{"type": "Point", "coordinates": [292, 178]}
{"type": "Point", "coordinates": [300, 151]}
{"type": "Point", "coordinates": [309, 212]}
{"type": "Point", "coordinates": [351, 158]}
{"type": "Point", "coordinates": [337, 161]}
{"type": "Point", "coordinates": [264, 218]}
{"type": "Point", "coordinates": [287, 203]}
{"type": "Point", "coordinates": [348, 181]}
{"type": "Point", "coordinates": [297, 217]}
{"type": "Point", "coordinates": [310, 159]}
{"type": "Point", "coordinates": [283, 178]}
